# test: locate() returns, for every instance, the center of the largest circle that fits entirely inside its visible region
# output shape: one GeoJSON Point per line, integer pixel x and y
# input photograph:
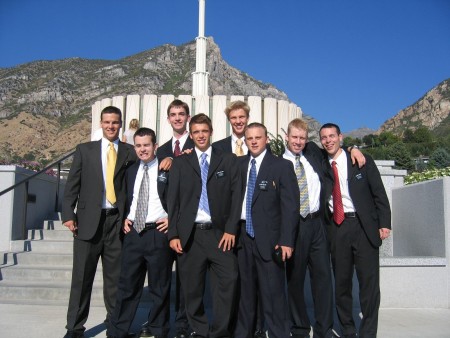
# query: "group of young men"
{"type": "Point", "coordinates": [252, 220]}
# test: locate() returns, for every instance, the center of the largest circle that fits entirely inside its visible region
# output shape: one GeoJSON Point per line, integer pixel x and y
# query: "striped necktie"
{"type": "Point", "coordinates": [338, 207]}
{"type": "Point", "coordinates": [238, 149]}
{"type": "Point", "coordinates": [142, 203]}
{"type": "Point", "coordinates": [303, 186]}
{"type": "Point", "coordinates": [204, 205]}
{"type": "Point", "coordinates": [248, 203]}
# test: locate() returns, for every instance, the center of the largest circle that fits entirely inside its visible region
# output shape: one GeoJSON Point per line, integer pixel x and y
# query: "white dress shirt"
{"type": "Point", "coordinates": [312, 179]}
{"type": "Point", "coordinates": [105, 148]}
{"type": "Point", "coordinates": [202, 216]}
{"type": "Point", "coordinates": [155, 209]}
{"type": "Point", "coordinates": [258, 160]}
{"type": "Point", "coordinates": [341, 164]}
{"type": "Point", "coordinates": [182, 141]}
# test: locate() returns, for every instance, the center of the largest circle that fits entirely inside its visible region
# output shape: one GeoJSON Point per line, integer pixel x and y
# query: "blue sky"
{"type": "Point", "coordinates": [354, 62]}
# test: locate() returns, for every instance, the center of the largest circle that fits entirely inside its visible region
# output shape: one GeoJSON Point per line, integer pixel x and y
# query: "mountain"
{"type": "Point", "coordinates": [359, 133]}
{"type": "Point", "coordinates": [45, 106]}
{"type": "Point", "coordinates": [432, 111]}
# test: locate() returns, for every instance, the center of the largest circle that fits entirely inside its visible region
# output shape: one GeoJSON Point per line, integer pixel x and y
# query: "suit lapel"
{"type": "Point", "coordinates": [193, 161]}
{"type": "Point", "coordinates": [351, 169]}
{"type": "Point", "coordinates": [263, 170]}
{"type": "Point", "coordinates": [122, 155]}
{"type": "Point", "coordinates": [97, 154]}
{"type": "Point", "coordinates": [213, 163]}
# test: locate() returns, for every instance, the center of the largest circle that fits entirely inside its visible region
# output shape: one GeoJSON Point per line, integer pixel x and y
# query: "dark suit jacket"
{"type": "Point", "coordinates": [225, 145]}
{"type": "Point", "coordinates": [276, 203]}
{"type": "Point", "coordinates": [85, 187]}
{"type": "Point", "coordinates": [130, 178]}
{"type": "Point", "coordinates": [224, 194]}
{"type": "Point", "coordinates": [166, 149]}
{"type": "Point", "coordinates": [314, 156]}
{"type": "Point", "coordinates": [368, 196]}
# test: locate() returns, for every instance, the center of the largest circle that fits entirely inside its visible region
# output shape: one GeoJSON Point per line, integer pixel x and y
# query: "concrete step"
{"type": "Point", "coordinates": [41, 234]}
{"type": "Point", "coordinates": [33, 258]}
{"type": "Point", "coordinates": [54, 225]}
{"type": "Point", "coordinates": [43, 246]}
{"type": "Point", "coordinates": [37, 272]}
{"type": "Point", "coordinates": [44, 292]}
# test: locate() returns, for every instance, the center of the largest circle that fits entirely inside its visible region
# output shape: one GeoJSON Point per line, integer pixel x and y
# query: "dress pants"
{"type": "Point", "coordinates": [351, 250]}
{"type": "Point", "coordinates": [142, 253]}
{"type": "Point", "coordinates": [181, 320]}
{"type": "Point", "coordinates": [202, 253]}
{"type": "Point", "coordinates": [270, 278]}
{"type": "Point", "coordinates": [106, 244]}
{"type": "Point", "coordinates": [311, 251]}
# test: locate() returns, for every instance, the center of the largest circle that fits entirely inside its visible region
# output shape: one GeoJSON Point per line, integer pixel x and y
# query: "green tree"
{"type": "Point", "coordinates": [423, 135]}
{"type": "Point", "coordinates": [388, 138]}
{"type": "Point", "coordinates": [371, 140]}
{"type": "Point", "coordinates": [408, 136]}
{"type": "Point", "coordinates": [401, 155]}
{"type": "Point", "coordinates": [440, 158]}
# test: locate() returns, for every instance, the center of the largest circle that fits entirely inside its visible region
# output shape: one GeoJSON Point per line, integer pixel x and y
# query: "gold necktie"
{"type": "Point", "coordinates": [238, 150]}
{"type": "Point", "coordinates": [111, 159]}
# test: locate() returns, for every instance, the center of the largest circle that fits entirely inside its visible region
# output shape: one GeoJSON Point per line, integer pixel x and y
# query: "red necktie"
{"type": "Point", "coordinates": [338, 208]}
{"type": "Point", "coordinates": [177, 151]}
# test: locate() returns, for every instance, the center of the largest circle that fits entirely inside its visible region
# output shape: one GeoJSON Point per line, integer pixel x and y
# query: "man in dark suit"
{"type": "Point", "coordinates": [238, 113]}
{"type": "Point", "coordinates": [204, 204]}
{"type": "Point", "coordinates": [95, 188]}
{"type": "Point", "coordinates": [178, 116]}
{"type": "Point", "coordinates": [359, 219]}
{"type": "Point", "coordinates": [145, 246]}
{"type": "Point", "coordinates": [267, 235]}
{"type": "Point", "coordinates": [311, 247]}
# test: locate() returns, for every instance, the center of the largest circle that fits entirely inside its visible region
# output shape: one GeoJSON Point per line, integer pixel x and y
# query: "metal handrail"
{"type": "Point", "coordinates": [51, 165]}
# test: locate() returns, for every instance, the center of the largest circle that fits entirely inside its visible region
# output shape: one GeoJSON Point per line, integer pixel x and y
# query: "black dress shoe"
{"type": "Point", "coordinates": [259, 334]}
{"type": "Point", "coordinates": [74, 334]}
{"type": "Point", "coordinates": [181, 334]}
{"type": "Point", "coordinates": [195, 335]}
{"type": "Point", "coordinates": [145, 332]}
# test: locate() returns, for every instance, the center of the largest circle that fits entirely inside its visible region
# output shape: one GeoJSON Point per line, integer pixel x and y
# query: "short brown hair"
{"type": "Point", "coordinates": [256, 125]}
{"type": "Point", "coordinates": [201, 119]}
{"type": "Point", "coordinates": [237, 105]}
{"type": "Point", "coordinates": [178, 103]}
{"type": "Point", "coordinates": [111, 110]}
{"type": "Point", "coordinates": [299, 124]}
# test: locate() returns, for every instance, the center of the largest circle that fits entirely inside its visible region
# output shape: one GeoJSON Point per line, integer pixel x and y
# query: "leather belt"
{"type": "Point", "coordinates": [203, 226]}
{"type": "Point", "coordinates": [311, 215]}
{"type": "Point", "coordinates": [350, 214]}
{"type": "Point", "coordinates": [110, 212]}
{"type": "Point", "coordinates": [148, 226]}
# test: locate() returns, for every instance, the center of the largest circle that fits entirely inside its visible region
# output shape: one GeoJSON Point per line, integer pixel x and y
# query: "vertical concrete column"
{"type": "Point", "coordinates": [255, 104]}
{"type": "Point", "coordinates": [237, 98]}
{"type": "Point", "coordinates": [95, 123]}
{"type": "Point", "coordinates": [218, 117]}
{"type": "Point", "coordinates": [188, 99]}
{"type": "Point", "coordinates": [106, 102]}
{"type": "Point", "coordinates": [132, 111]}
{"type": "Point", "coordinates": [149, 112]}
{"type": "Point", "coordinates": [283, 117]}
{"type": "Point", "coordinates": [165, 130]}
{"type": "Point", "coordinates": [202, 105]}
{"type": "Point", "coordinates": [292, 112]}
{"type": "Point", "coordinates": [270, 115]}
{"type": "Point", "coordinates": [119, 102]}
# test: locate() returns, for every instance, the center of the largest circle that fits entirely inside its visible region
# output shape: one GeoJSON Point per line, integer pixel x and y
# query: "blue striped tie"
{"type": "Point", "coordinates": [204, 205]}
{"type": "Point", "coordinates": [248, 206]}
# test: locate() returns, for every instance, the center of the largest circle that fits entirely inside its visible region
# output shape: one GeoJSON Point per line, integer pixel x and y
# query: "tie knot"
{"type": "Point", "coordinates": [203, 157]}
{"type": "Point", "coordinates": [239, 142]}
{"type": "Point", "coordinates": [297, 158]}
{"type": "Point", "coordinates": [253, 161]}
{"type": "Point", "coordinates": [111, 145]}
{"type": "Point", "coordinates": [333, 163]}
{"type": "Point", "coordinates": [177, 142]}
{"type": "Point", "coordinates": [145, 167]}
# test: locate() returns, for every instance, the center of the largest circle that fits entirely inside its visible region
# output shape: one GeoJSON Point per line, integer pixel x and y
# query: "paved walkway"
{"type": "Point", "coordinates": [42, 321]}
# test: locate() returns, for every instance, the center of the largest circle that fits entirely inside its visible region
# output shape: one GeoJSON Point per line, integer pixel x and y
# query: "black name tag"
{"type": "Point", "coordinates": [263, 185]}
{"type": "Point", "coordinates": [162, 177]}
{"type": "Point", "coordinates": [220, 174]}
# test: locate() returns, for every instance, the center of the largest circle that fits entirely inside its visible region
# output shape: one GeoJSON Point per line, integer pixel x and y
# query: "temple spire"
{"type": "Point", "coordinates": [200, 76]}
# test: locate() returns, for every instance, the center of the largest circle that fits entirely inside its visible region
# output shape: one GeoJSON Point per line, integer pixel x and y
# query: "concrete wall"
{"type": "Point", "coordinates": [13, 203]}
{"type": "Point", "coordinates": [151, 110]}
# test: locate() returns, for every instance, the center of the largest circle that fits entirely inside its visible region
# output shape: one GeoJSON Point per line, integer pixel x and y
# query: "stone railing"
{"type": "Point", "coordinates": [151, 111]}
